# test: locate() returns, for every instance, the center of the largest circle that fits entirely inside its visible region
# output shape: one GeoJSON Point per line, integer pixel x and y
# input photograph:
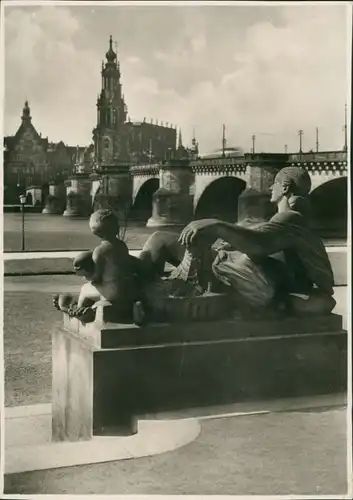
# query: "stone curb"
{"type": "Point", "coordinates": [43, 263]}
{"type": "Point", "coordinates": [29, 447]}
{"type": "Point", "coordinates": [61, 263]}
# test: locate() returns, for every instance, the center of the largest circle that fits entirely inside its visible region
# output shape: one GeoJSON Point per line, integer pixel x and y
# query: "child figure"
{"type": "Point", "coordinates": [108, 269]}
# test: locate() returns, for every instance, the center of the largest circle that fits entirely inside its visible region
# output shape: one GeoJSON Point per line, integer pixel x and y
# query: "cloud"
{"type": "Point", "coordinates": [133, 60]}
{"type": "Point", "coordinates": [43, 65]}
{"type": "Point", "coordinates": [146, 85]}
{"type": "Point", "coordinates": [264, 70]}
{"type": "Point", "coordinates": [160, 56]}
{"type": "Point", "coordinates": [198, 43]}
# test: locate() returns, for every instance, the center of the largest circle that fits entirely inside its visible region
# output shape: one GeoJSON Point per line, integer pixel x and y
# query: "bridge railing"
{"type": "Point", "coordinates": [147, 168]}
{"type": "Point", "coordinates": [319, 157]}
{"type": "Point", "coordinates": [217, 161]}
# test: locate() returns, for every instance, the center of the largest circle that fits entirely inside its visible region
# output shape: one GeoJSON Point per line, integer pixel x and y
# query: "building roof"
{"type": "Point", "coordinates": [229, 151]}
{"type": "Point", "coordinates": [149, 124]}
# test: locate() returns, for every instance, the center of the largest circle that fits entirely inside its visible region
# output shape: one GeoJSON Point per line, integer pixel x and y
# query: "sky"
{"type": "Point", "coordinates": [263, 70]}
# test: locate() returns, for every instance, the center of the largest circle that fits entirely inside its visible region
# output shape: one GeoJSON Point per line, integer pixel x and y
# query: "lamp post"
{"type": "Point", "coordinates": [23, 199]}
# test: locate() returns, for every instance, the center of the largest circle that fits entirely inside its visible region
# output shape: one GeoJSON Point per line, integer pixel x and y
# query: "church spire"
{"type": "Point", "coordinates": [193, 142]}
{"type": "Point", "coordinates": [180, 142]}
{"type": "Point", "coordinates": [26, 113]}
{"type": "Point", "coordinates": [110, 55]}
{"type": "Point", "coordinates": [109, 143]}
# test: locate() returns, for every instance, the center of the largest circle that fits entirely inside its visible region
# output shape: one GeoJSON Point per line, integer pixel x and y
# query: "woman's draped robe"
{"type": "Point", "coordinates": [289, 259]}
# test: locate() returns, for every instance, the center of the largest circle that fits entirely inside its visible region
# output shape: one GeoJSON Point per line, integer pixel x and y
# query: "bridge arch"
{"type": "Point", "coordinates": [329, 208]}
{"type": "Point", "coordinates": [220, 199]}
{"type": "Point", "coordinates": [142, 203]}
{"type": "Point", "coordinates": [322, 175]}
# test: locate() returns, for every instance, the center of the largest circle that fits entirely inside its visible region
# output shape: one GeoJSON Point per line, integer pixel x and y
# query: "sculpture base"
{"type": "Point", "coordinates": [105, 374]}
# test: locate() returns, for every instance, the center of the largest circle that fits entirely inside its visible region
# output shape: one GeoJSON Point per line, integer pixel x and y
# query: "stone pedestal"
{"type": "Point", "coordinates": [90, 396]}
{"type": "Point", "coordinates": [105, 374]}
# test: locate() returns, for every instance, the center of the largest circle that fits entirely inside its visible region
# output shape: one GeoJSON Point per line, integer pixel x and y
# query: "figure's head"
{"type": "Point", "coordinates": [290, 181]}
{"type": "Point", "coordinates": [104, 224]}
{"type": "Point", "coordinates": [84, 265]}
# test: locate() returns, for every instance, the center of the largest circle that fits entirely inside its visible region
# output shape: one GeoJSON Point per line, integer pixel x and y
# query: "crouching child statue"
{"type": "Point", "coordinates": [278, 267]}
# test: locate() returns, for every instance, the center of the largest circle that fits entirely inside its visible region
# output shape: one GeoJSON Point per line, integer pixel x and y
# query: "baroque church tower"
{"type": "Point", "coordinates": [111, 145]}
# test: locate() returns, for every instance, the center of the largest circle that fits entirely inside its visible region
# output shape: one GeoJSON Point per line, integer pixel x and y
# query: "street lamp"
{"type": "Point", "coordinates": [23, 199]}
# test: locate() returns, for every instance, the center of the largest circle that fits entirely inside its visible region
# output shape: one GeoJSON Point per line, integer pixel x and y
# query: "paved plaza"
{"type": "Point", "coordinates": [301, 452]}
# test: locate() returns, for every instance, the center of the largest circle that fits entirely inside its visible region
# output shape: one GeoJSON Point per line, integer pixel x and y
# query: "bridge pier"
{"type": "Point", "coordinates": [172, 203]}
{"type": "Point", "coordinates": [254, 203]}
{"type": "Point", "coordinates": [112, 188]}
{"type": "Point", "coordinates": [55, 202]}
{"type": "Point", "coordinates": [78, 195]}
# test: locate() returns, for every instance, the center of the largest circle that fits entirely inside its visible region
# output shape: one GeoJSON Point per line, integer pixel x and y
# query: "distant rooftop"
{"type": "Point", "coordinates": [161, 124]}
{"type": "Point", "coordinates": [228, 151]}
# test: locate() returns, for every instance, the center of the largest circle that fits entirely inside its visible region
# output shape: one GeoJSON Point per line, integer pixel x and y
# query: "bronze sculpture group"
{"type": "Point", "coordinates": [277, 267]}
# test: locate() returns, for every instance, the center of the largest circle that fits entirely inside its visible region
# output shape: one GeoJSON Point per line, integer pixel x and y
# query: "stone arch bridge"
{"type": "Point", "coordinates": [215, 184]}
{"type": "Point", "coordinates": [176, 191]}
